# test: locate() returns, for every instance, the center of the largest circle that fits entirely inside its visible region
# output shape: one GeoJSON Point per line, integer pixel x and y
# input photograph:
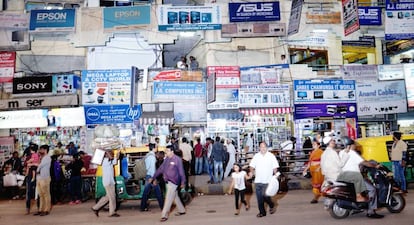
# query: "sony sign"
{"type": "Point", "coordinates": [32, 84]}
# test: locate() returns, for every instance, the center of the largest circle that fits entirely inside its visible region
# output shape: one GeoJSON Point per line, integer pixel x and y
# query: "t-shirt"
{"type": "Point", "coordinates": [351, 161]}
{"type": "Point", "coordinates": [397, 150]}
{"type": "Point", "coordinates": [264, 164]}
{"type": "Point", "coordinates": [238, 178]}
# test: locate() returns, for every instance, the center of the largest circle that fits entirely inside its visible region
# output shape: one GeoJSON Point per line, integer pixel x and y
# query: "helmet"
{"type": "Point", "coordinates": [347, 141]}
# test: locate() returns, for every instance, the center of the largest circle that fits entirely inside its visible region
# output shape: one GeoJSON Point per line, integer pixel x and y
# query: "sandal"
{"type": "Point", "coordinates": [163, 219]}
{"type": "Point", "coordinates": [179, 214]}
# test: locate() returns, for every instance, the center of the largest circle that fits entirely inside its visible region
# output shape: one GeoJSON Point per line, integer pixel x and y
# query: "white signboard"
{"type": "Point", "coordinates": [360, 73]}
{"type": "Point", "coordinates": [381, 98]}
{"type": "Point", "coordinates": [391, 72]}
{"type": "Point", "coordinates": [23, 119]}
{"type": "Point", "coordinates": [264, 96]}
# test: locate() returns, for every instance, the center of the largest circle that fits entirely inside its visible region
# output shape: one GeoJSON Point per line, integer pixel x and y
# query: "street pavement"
{"type": "Point", "coordinates": [293, 208]}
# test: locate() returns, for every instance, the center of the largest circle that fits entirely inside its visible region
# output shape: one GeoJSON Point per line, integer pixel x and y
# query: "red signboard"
{"type": "Point", "coordinates": [7, 65]}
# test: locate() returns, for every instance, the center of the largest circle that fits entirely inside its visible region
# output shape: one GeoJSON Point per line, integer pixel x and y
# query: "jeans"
{"type": "Point", "coordinates": [198, 165]}
{"type": "Point", "coordinates": [206, 163]}
{"type": "Point", "coordinates": [75, 188]}
{"type": "Point", "coordinates": [218, 168]}
{"type": "Point", "coordinates": [147, 192]}
{"type": "Point", "coordinates": [30, 192]}
{"type": "Point", "coordinates": [262, 198]}
{"type": "Point", "coordinates": [399, 174]}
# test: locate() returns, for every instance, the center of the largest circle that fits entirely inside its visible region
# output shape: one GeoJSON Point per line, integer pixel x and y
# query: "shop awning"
{"type": "Point", "coordinates": [266, 111]}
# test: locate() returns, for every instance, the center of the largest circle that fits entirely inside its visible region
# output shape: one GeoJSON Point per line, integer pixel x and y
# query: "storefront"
{"type": "Point", "coordinates": [325, 107]}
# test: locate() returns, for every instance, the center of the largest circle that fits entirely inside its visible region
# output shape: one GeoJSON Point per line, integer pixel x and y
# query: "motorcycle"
{"type": "Point", "coordinates": [342, 199]}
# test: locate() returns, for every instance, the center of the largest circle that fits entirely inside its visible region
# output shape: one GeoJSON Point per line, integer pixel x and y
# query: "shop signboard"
{"type": "Point", "coordinates": [39, 102]}
{"type": "Point", "coordinates": [100, 87]}
{"type": "Point", "coordinates": [32, 85]}
{"type": "Point", "coordinates": [164, 91]}
{"type": "Point", "coordinates": [263, 75]}
{"type": "Point", "coordinates": [327, 110]}
{"type": "Point", "coordinates": [254, 11]}
{"type": "Point", "coordinates": [409, 83]}
{"type": "Point", "coordinates": [226, 98]}
{"type": "Point", "coordinates": [320, 91]}
{"type": "Point", "coordinates": [126, 18]}
{"type": "Point", "coordinates": [194, 112]}
{"type": "Point", "coordinates": [66, 117]}
{"type": "Point", "coordinates": [253, 30]}
{"type": "Point", "coordinates": [23, 119]}
{"type": "Point", "coordinates": [360, 73]}
{"type": "Point", "coordinates": [264, 96]}
{"type": "Point", "coordinates": [318, 13]}
{"type": "Point", "coordinates": [189, 18]}
{"type": "Point", "coordinates": [386, 97]}
{"type": "Point", "coordinates": [65, 84]}
{"type": "Point", "coordinates": [295, 15]}
{"type": "Point", "coordinates": [350, 16]}
{"type": "Point", "coordinates": [111, 114]}
{"type": "Point", "coordinates": [391, 72]}
{"type": "Point", "coordinates": [226, 76]}
{"type": "Point", "coordinates": [52, 20]}
{"type": "Point", "coordinates": [7, 65]}
{"type": "Point", "coordinates": [222, 126]}
{"type": "Point", "coordinates": [175, 75]}
{"type": "Point", "coordinates": [370, 15]}
{"type": "Point", "coordinates": [399, 23]}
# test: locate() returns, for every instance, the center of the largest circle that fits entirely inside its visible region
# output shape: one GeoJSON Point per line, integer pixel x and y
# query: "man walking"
{"type": "Point", "coordinates": [173, 172]}
{"type": "Point", "coordinates": [108, 182]}
{"type": "Point", "coordinates": [150, 164]}
{"type": "Point", "coordinates": [43, 181]}
{"type": "Point", "coordinates": [264, 165]}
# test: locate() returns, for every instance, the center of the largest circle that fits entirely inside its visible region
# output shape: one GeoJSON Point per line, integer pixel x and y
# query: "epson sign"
{"type": "Point", "coordinates": [254, 11]}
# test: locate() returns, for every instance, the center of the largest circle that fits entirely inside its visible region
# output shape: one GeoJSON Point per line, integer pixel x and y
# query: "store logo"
{"type": "Point", "coordinates": [93, 114]}
{"type": "Point", "coordinates": [249, 8]}
{"type": "Point", "coordinates": [368, 12]}
{"type": "Point", "coordinates": [133, 113]}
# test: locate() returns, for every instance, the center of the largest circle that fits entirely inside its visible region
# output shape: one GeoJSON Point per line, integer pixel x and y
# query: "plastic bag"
{"type": "Point", "coordinates": [273, 186]}
{"type": "Point", "coordinates": [10, 180]}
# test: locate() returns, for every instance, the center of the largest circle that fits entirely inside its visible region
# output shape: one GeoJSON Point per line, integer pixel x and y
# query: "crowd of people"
{"type": "Point", "coordinates": [50, 177]}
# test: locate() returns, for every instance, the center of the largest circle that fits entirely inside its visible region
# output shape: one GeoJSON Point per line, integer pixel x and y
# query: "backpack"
{"type": "Point", "coordinates": [140, 170]}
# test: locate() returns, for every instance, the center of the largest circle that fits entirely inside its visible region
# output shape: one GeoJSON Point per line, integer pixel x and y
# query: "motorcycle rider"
{"type": "Point", "coordinates": [352, 162]}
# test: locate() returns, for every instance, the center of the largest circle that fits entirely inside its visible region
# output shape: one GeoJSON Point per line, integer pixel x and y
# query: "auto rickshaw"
{"type": "Point", "coordinates": [130, 188]}
{"type": "Point", "coordinates": [378, 149]}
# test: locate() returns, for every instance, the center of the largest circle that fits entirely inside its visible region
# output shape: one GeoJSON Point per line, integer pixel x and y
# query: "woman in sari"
{"type": "Point", "coordinates": [314, 168]}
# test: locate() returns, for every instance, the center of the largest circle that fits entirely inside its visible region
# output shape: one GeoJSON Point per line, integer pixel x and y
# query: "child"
{"type": "Point", "coordinates": [32, 163]}
{"type": "Point", "coordinates": [238, 183]}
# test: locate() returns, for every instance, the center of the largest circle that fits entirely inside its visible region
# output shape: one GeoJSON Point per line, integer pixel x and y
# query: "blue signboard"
{"type": "Point", "coordinates": [126, 16]}
{"type": "Point", "coordinates": [111, 114]}
{"type": "Point", "coordinates": [339, 110]}
{"type": "Point", "coordinates": [254, 11]}
{"type": "Point", "coordinates": [314, 91]}
{"type": "Point", "coordinates": [370, 16]}
{"type": "Point", "coordinates": [173, 91]}
{"type": "Point", "coordinates": [52, 20]}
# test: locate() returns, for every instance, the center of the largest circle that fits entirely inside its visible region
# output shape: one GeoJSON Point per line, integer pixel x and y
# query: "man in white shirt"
{"type": "Point", "coordinates": [231, 150]}
{"type": "Point", "coordinates": [264, 165]}
{"type": "Point", "coordinates": [186, 150]}
{"type": "Point", "coordinates": [330, 162]}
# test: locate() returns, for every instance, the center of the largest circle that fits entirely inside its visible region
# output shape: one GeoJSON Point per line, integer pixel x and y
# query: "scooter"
{"type": "Point", "coordinates": [342, 199]}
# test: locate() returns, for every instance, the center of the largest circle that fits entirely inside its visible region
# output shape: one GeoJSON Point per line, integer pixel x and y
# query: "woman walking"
{"type": "Point", "coordinates": [314, 167]}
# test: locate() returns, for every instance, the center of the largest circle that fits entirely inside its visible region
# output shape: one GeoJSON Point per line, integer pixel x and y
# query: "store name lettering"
{"type": "Point", "coordinates": [29, 103]}
{"type": "Point", "coordinates": [31, 86]}
{"type": "Point", "coordinates": [401, 6]}
{"type": "Point", "coordinates": [325, 87]}
{"type": "Point", "coordinates": [126, 14]}
{"type": "Point", "coordinates": [51, 16]}
{"type": "Point", "coordinates": [379, 92]}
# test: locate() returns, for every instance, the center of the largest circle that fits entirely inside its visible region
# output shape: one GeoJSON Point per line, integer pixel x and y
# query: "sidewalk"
{"type": "Point", "coordinates": [202, 187]}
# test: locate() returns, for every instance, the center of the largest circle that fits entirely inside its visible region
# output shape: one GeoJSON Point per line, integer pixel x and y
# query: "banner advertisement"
{"type": "Point", "coordinates": [399, 23]}
{"type": "Point", "coordinates": [313, 91]}
{"type": "Point", "coordinates": [261, 75]}
{"type": "Point", "coordinates": [126, 18]}
{"type": "Point", "coordinates": [65, 84]}
{"type": "Point", "coordinates": [101, 87]}
{"type": "Point", "coordinates": [391, 72]}
{"type": "Point", "coordinates": [318, 13]}
{"type": "Point", "coordinates": [226, 98]}
{"type": "Point", "coordinates": [39, 102]}
{"type": "Point", "coordinates": [194, 112]}
{"type": "Point", "coordinates": [111, 114]}
{"type": "Point", "coordinates": [253, 30]}
{"type": "Point", "coordinates": [226, 76]}
{"type": "Point", "coordinates": [23, 119]}
{"type": "Point", "coordinates": [14, 20]}
{"type": "Point", "coordinates": [295, 15]}
{"type": "Point", "coordinates": [264, 96]}
{"type": "Point", "coordinates": [360, 73]}
{"type": "Point", "coordinates": [187, 18]}
{"type": "Point", "coordinates": [7, 65]}
{"type": "Point", "coordinates": [173, 91]}
{"type": "Point", "coordinates": [350, 16]}
{"type": "Point", "coordinates": [62, 20]}
{"type": "Point", "coordinates": [386, 97]}
{"type": "Point", "coordinates": [254, 11]}
{"type": "Point", "coordinates": [32, 85]}
{"type": "Point", "coordinates": [336, 110]}
{"type": "Point", "coordinates": [175, 75]}
{"type": "Point", "coordinates": [409, 83]}
{"type": "Point", "coordinates": [66, 117]}
{"type": "Point", "coordinates": [370, 16]}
